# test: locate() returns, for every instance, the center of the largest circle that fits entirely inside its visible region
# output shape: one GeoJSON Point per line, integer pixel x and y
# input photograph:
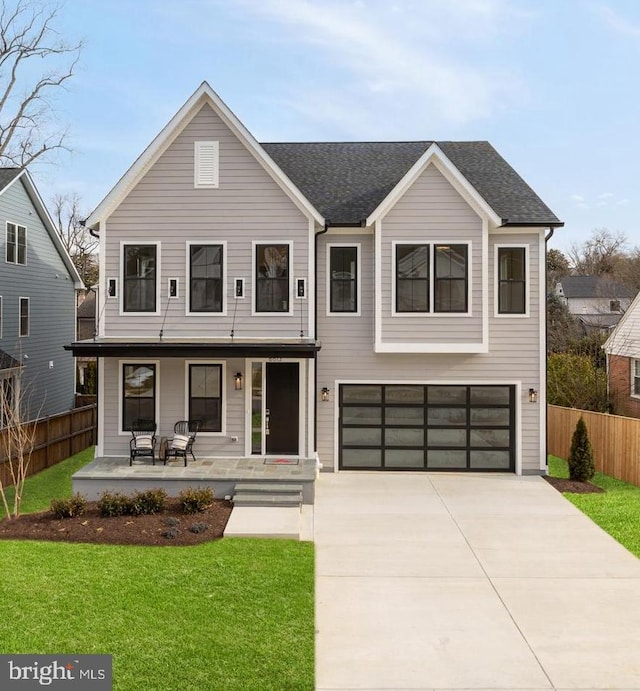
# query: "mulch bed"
{"type": "Point", "coordinates": [564, 485]}
{"type": "Point", "coordinates": [122, 530]}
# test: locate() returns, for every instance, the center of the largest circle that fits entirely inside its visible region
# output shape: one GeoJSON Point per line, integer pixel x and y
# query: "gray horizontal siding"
{"type": "Point", "coordinates": [248, 206]}
{"type": "Point", "coordinates": [46, 281]}
{"type": "Point", "coordinates": [431, 211]}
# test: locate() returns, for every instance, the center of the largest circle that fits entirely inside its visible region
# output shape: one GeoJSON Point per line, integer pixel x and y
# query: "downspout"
{"type": "Point", "coordinates": [315, 335]}
{"type": "Point", "coordinates": [547, 237]}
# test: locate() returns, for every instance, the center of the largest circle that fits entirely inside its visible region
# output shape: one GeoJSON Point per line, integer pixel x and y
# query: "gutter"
{"type": "Point", "coordinates": [547, 237]}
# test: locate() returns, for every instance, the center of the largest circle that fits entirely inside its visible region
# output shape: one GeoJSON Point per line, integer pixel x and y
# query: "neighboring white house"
{"type": "Point", "coordinates": [597, 302]}
{"type": "Point", "coordinates": [379, 305]}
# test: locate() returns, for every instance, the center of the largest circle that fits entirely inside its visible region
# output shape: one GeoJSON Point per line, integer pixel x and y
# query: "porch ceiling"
{"type": "Point", "coordinates": [303, 348]}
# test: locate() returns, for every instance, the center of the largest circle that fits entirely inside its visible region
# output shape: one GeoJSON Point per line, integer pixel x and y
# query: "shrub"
{"type": "Point", "coordinates": [171, 533]}
{"type": "Point", "coordinates": [171, 521]}
{"type": "Point", "coordinates": [148, 502]}
{"type": "Point", "coordinates": [198, 528]}
{"type": "Point", "coordinates": [68, 508]}
{"type": "Point", "coordinates": [581, 465]}
{"type": "Point", "coordinates": [113, 504]}
{"type": "Point", "coordinates": [194, 500]}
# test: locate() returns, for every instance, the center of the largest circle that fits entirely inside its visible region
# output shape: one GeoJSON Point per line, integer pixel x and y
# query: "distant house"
{"type": "Point", "coordinates": [38, 282]}
{"type": "Point", "coordinates": [596, 302]}
{"type": "Point", "coordinates": [623, 362]}
{"type": "Point", "coordinates": [86, 329]}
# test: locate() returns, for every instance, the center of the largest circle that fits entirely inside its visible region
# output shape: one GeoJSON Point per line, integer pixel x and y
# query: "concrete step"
{"type": "Point", "coordinates": [268, 499]}
{"type": "Point", "coordinates": [268, 487]}
{"type": "Point", "coordinates": [246, 521]}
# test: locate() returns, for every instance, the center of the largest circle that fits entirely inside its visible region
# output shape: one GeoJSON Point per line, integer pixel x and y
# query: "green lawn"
{"type": "Point", "coordinates": [233, 614]}
{"type": "Point", "coordinates": [617, 510]}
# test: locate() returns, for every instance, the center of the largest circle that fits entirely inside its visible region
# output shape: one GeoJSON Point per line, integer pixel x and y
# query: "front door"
{"type": "Point", "coordinates": [282, 413]}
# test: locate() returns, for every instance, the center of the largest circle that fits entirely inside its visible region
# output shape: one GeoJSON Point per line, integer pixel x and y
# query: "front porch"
{"type": "Point", "coordinates": [221, 474]}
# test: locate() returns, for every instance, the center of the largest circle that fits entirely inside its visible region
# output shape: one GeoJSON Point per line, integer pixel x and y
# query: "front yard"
{"type": "Point", "coordinates": [228, 614]}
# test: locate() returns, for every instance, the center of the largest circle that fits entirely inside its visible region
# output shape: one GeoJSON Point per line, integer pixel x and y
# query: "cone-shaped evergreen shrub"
{"type": "Point", "coordinates": [581, 466]}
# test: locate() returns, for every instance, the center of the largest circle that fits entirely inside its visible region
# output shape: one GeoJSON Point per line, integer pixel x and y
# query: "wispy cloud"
{"type": "Point", "coordinates": [437, 58]}
{"type": "Point", "coordinates": [604, 199]}
{"type": "Point", "coordinates": [616, 21]}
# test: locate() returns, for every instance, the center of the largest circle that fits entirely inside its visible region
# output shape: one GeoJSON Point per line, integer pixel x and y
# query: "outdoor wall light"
{"type": "Point", "coordinates": [324, 394]}
{"type": "Point", "coordinates": [237, 381]}
{"type": "Point", "coordinates": [533, 396]}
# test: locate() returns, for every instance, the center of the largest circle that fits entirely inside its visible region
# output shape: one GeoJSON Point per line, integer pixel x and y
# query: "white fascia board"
{"type": "Point", "coordinates": [434, 155]}
{"type": "Point", "coordinates": [204, 94]}
{"type": "Point", "coordinates": [47, 221]}
{"type": "Point", "coordinates": [398, 347]}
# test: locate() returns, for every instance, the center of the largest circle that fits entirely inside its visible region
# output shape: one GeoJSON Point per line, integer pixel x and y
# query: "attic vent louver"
{"type": "Point", "coordinates": [206, 156]}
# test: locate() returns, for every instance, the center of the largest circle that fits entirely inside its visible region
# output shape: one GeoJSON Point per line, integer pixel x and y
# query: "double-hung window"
{"type": "Point", "coordinates": [205, 396]}
{"type": "Point", "coordinates": [140, 277]}
{"type": "Point", "coordinates": [635, 377]}
{"type": "Point", "coordinates": [23, 317]}
{"type": "Point", "coordinates": [512, 280]}
{"type": "Point", "coordinates": [272, 273]}
{"type": "Point", "coordinates": [16, 245]}
{"type": "Point", "coordinates": [431, 278]}
{"type": "Point", "coordinates": [343, 284]}
{"type": "Point", "coordinates": [206, 279]}
{"type": "Point", "coordinates": [138, 393]}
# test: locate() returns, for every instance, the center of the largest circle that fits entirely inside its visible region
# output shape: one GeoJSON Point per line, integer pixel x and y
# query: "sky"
{"type": "Point", "coordinates": [552, 84]}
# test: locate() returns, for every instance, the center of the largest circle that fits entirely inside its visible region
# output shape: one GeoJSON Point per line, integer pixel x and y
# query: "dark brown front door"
{"type": "Point", "coordinates": [283, 407]}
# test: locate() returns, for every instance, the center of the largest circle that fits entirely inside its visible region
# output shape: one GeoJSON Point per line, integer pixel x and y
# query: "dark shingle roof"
{"type": "Point", "coordinates": [594, 287]}
{"type": "Point", "coordinates": [7, 175]}
{"type": "Point", "coordinates": [346, 181]}
{"type": "Point", "coordinates": [7, 362]}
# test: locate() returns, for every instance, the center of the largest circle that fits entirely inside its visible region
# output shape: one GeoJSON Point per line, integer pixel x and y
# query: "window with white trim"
{"type": "Point", "coordinates": [205, 396]}
{"type": "Point", "coordinates": [412, 278]}
{"type": "Point", "coordinates": [272, 273]}
{"type": "Point", "coordinates": [8, 399]}
{"type": "Point", "coordinates": [23, 319]}
{"type": "Point", "coordinates": [343, 278]}
{"type": "Point", "coordinates": [206, 289]}
{"type": "Point", "coordinates": [635, 377]}
{"type": "Point", "coordinates": [139, 278]}
{"type": "Point", "coordinates": [450, 287]}
{"type": "Point", "coordinates": [138, 393]}
{"type": "Point", "coordinates": [16, 245]}
{"type": "Point", "coordinates": [206, 164]}
{"type": "Point", "coordinates": [512, 280]}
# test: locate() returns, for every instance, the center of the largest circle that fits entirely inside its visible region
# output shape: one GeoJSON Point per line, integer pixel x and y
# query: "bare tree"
{"type": "Point", "coordinates": [17, 440]}
{"type": "Point", "coordinates": [27, 124]}
{"type": "Point", "coordinates": [81, 245]}
{"type": "Point", "coordinates": [601, 255]}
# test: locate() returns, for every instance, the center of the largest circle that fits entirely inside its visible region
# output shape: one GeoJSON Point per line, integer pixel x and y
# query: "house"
{"type": "Point", "coordinates": [373, 305]}
{"type": "Point", "coordinates": [597, 302]}
{"type": "Point", "coordinates": [623, 362]}
{"type": "Point", "coordinates": [38, 283]}
{"type": "Point", "coordinates": [85, 329]}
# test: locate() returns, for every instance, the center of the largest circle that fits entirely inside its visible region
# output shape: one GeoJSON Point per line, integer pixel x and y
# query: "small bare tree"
{"type": "Point", "coordinates": [81, 245]}
{"type": "Point", "coordinates": [17, 439]}
{"type": "Point", "coordinates": [601, 255]}
{"type": "Point", "coordinates": [28, 128]}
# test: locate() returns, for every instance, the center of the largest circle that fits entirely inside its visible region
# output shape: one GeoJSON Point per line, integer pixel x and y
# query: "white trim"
{"type": "Point", "coordinates": [204, 94]}
{"type": "Point", "coordinates": [435, 156]}
{"type": "Point", "coordinates": [313, 279]}
{"type": "Point", "coordinates": [206, 154]}
{"type": "Point", "coordinates": [377, 283]}
{"type": "Point", "coordinates": [223, 393]}
{"type": "Point", "coordinates": [358, 310]}
{"type": "Point", "coordinates": [297, 282]}
{"type": "Point", "coordinates": [116, 291]}
{"type": "Point", "coordinates": [1, 316]}
{"type": "Point", "coordinates": [430, 382]}
{"type": "Point", "coordinates": [310, 401]}
{"type": "Point", "coordinates": [542, 327]}
{"type": "Point", "coordinates": [140, 243]}
{"type": "Point", "coordinates": [484, 279]}
{"type": "Point", "coordinates": [101, 312]}
{"type": "Point", "coordinates": [356, 230]}
{"type": "Point", "coordinates": [431, 313]}
{"type": "Point", "coordinates": [20, 334]}
{"type": "Point", "coordinates": [632, 374]}
{"type": "Point", "coordinates": [254, 298]}
{"type": "Point", "coordinates": [177, 295]}
{"type": "Point", "coordinates": [496, 281]}
{"type": "Point", "coordinates": [135, 361]}
{"type": "Point", "coordinates": [187, 307]}
{"type": "Point", "coordinates": [99, 451]}
{"type": "Point", "coordinates": [235, 285]}
{"type": "Point", "coordinates": [421, 347]}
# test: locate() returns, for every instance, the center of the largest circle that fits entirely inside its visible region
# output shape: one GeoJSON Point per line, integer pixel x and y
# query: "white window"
{"type": "Point", "coordinates": [272, 277]}
{"type": "Point", "coordinates": [343, 284]}
{"type": "Point", "coordinates": [206, 164]}
{"type": "Point", "coordinates": [206, 272]}
{"type": "Point", "coordinates": [24, 317]}
{"type": "Point", "coordinates": [16, 246]}
{"type": "Point", "coordinates": [140, 277]}
{"type": "Point", "coordinates": [635, 377]}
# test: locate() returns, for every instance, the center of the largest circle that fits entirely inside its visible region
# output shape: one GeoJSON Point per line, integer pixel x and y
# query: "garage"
{"type": "Point", "coordinates": [427, 427]}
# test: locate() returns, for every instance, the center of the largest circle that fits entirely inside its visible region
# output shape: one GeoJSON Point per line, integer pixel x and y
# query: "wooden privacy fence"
{"type": "Point", "coordinates": [615, 440]}
{"type": "Point", "coordinates": [57, 437]}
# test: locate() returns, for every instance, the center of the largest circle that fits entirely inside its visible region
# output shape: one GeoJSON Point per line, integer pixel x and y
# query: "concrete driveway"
{"type": "Point", "coordinates": [443, 581]}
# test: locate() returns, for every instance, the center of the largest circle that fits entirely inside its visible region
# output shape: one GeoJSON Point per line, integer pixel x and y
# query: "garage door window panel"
{"type": "Point", "coordinates": [362, 458]}
{"type": "Point", "coordinates": [404, 458]}
{"type": "Point", "coordinates": [447, 395]}
{"type": "Point", "coordinates": [441, 459]}
{"type": "Point", "coordinates": [499, 438]}
{"type": "Point", "coordinates": [495, 460]}
{"type": "Point", "coordinates": [395, 436]}
{"type": "Point", "coordinates": [362, 436]}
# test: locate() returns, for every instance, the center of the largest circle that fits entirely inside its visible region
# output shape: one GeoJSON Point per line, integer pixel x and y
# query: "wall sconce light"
{"type": "Point", "coordinates": [324, 394]}
{"type": "Point", "coordinates": [237, 381]}
{"type": "Point", "coordinates": [533, 396]}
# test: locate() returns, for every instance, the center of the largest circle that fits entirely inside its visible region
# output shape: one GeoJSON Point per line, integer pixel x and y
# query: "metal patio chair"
{"type": "Point", "coordinates": [143, 440]}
